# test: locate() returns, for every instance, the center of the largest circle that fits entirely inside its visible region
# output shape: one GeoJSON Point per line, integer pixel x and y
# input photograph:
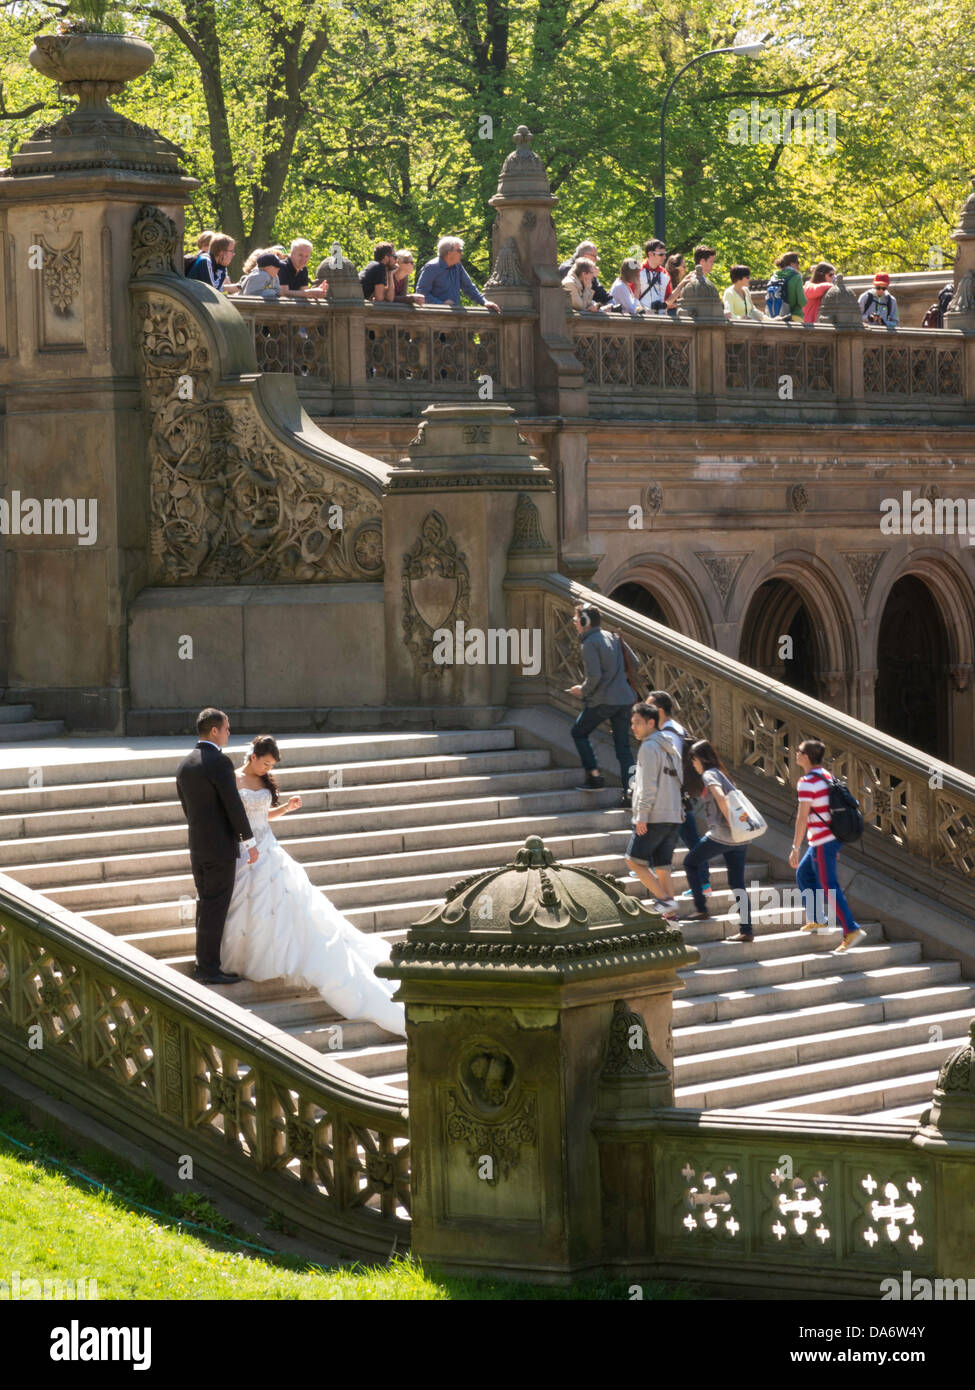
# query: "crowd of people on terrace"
{"type": "Point", "coordinates": [641, 288]}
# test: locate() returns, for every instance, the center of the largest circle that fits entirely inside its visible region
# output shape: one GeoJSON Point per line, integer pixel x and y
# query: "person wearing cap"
{"type": "Point", "coordinates": [263, 279]}
{"type": "Point", "coordinates": [878, 306]}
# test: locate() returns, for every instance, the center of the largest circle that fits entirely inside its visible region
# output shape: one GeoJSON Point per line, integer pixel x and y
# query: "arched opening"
{"type": "Point", "coordinates": [641, 600]}
{"type": "Point", "coordinates": [912, 669]}
{"type": "Point", "coordinates": [780, 639]}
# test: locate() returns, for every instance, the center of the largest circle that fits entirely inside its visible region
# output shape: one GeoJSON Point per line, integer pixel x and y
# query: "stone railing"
{"type": "Point", "coordinates": [378, 359]}
{"type": "Point", "coordinates": [391, 360]}
{"type": "Point", "coordinates": [920, 818]}
{"type": "Point", "coordinates": [814, 1203]}
{"type": "Point", "coordinates": [661, 368]}
{"type": "Point", "coordinates": [124, 1038]}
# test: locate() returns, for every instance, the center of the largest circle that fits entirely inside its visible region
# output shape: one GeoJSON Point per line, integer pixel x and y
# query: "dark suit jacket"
{"type": "Point", "coordinates": [212, 805]}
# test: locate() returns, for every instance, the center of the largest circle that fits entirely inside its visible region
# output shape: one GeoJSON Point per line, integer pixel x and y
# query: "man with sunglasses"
{"type": "Point", "coordinates": [655, 288]}
{"type": "Point", "coordinates": [586, 250]}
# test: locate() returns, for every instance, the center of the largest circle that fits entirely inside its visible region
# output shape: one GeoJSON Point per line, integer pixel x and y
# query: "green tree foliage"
{"type": "Point", "coordinates": [365, 121]}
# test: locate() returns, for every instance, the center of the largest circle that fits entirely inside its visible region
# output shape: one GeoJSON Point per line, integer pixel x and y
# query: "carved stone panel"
{"type": "Point", "coordinates": [436, 591]}
{"type": "Point", "coordinates": [57, 268]}
{"type": "Point", "coordinates": [229, 502]}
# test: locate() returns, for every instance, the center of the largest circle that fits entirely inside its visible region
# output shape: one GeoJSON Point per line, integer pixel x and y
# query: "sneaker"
{"type": "Point", "coordinates": [689, 892]}
{"type": "Point", "coordinates": [852, 939]}
{"type": "Point", "coordinates": [742, 936]}
{"type": "Point", "coordinates": [816, 926]}
{"type": "Point", "coordinates": [696, 916]}
{"type": "Point", "coordinates": [591, 784]}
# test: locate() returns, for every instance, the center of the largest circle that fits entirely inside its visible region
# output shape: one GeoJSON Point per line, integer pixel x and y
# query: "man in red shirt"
{"type": "Point", "coordinates": [816, 871]}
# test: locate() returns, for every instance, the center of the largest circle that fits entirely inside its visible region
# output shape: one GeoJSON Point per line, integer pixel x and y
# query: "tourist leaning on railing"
{"type": "Point", "coordinates": [293, 275]}
{"type": "Point", "coordinates": [737, 298]}
{"type": "Point", "coordinates": [784, 296]}
{"type": "Point", "coordinates": [655, 287]}
{"type": "Point", "coordinates": [822, 279]}
{"type": "Point", "coordinates": [263, 279]}
{"type": "Point", "coordinates": [623, 291]}
{"type": "Point", "coordinates": [401, 279]}
{"type": "Point", "coordinates": [579, 285]}
{"type": "Point", "coordinates": [878, 306]}
{"type": "Point", "coordinates": [210, 267]}
{"type": "Point", "coordinates": [443, 279]}
{"type": "Point", "coordinates": [202, 244]}
{"type": "Point", "coordinates": [587, 250]}
{"type": "Point", "coordinates": [377, 278]}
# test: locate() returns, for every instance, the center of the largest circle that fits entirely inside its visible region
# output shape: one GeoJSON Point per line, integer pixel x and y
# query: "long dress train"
{"type": "Point", "coordinates": [280, 925]}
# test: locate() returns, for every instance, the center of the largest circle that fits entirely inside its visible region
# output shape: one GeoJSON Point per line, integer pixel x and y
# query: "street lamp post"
{"type": "Point", "coordinates": [742, 50]}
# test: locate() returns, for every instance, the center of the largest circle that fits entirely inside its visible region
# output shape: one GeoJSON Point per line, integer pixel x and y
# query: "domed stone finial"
{"type": "Point", "coordinates": [953, 1108]}
{"type": "Point", "coordinates": [523, 173]}
{"type": "Point", "coordinates": [839, 306]}
{"type": "Point", "coordinates": [700, 300]}
{"type": "Point", "coordinates": [539, 915]}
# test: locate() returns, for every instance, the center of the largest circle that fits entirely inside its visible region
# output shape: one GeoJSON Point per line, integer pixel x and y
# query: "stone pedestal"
{"type": "Point", "coordinates": [73, 432]}
{"type": "Point", "coordinates": [537, 997]}
{"type": "Point", "coordinates": [964, 238]}
{"type": "Point", "coordinates": [949, 1133]}
{"type": "Point", "coordinates": [450, 512]}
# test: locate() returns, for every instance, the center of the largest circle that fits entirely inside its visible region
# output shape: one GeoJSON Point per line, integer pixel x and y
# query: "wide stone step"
{"type": "Point", "coordinates": [785, 1084]}
{"type": "Point", "coordinates": [345, 856]}
{"type": "Point", "coordinates": [804, 964]}
{"type": "Point", "coordinates": [172, 915]}
{"type": "Point", "coordinates": [363, 784]}
{"type": "Point", "coordinates": [879, 1094]}
{"type": "Point", "coordinates": [300, 827]}
{"type": "Point", "coordinates": [786, 995]}
{"type": "Point", "coordinates": [16, 714]}
{"type": "Point", "coordinates": [813, 1049]}
{"type": "Point", "coordinates": [340, 878]}
{"type": "Point", "coordinates": [30, 730]}
{"type": "Point", "coordinates": [823, 1019]}
{"type": "Point", "coordinates": [108, 760]}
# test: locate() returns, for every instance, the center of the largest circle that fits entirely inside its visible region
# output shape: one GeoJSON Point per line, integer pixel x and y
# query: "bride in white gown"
{"type": "Point", "coordinates": [280, 925]}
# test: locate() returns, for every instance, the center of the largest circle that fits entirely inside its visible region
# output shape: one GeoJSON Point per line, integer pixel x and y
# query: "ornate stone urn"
{"type": "Point", "coordinates": [91, 67]}
{"type": "Point", "coordinates": [538, 997]}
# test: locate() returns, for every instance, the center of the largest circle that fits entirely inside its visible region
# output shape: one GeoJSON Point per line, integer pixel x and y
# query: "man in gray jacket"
{"type": "Point", "coordinates": [607, 696]}
{"type": "Point", "coordinates": [656, 806]}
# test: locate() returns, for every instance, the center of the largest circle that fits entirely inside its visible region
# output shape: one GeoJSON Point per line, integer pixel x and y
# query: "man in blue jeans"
{"type": "Point", "coordinates": [607, 696]}
{"type": "Point", "coordinates": [816, 871]}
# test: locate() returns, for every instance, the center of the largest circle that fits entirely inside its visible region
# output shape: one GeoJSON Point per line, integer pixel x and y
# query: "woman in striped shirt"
{"type": "Point", "coordinates": [822, 896]}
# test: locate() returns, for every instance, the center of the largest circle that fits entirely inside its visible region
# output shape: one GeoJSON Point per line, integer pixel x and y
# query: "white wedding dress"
{"type": "Point", "coordinates": [280, 925]}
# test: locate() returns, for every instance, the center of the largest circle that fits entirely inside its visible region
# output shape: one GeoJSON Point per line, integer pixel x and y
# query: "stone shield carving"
{"type": "Point", "coordinates": [229, 502]}
{"type": "Point", "coordinates": [155, 241]}
{"type": "Point", "coordinates": [436, 590]}
{"type": "Point", "coordinates": [488, 1110]}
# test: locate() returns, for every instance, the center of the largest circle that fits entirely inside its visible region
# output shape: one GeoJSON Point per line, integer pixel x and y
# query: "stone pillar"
{"type": "Point", "coordinates": [948, 1132]}
{"type": "Point", "coordinates": [537, 997]}
{"type": "Point", "coordinates": [964, 238]}
{"type": "Point", "coordinates": [526, 274]}
{"type": "Point", "coordinates": [841, 309]}
{"type": "Point", "coordinates": [449, 512]}
{"type": "Point", "coordinates": [73, 430]}
{"type": "Point", "coordinates": [347, 329]}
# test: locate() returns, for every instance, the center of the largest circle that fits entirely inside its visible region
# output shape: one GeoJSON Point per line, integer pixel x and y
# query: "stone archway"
{"type": "Point", "coordinates": [663, 593]}
{"type": "Point", "coordinates": [913, 669]}
{"type": "Point", "coordinates": [642, 600]}
{"type": "Point", "coordinates": [780, 638]}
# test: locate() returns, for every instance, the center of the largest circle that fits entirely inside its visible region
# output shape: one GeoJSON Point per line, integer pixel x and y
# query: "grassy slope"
{"type": "Point", "coordinates": [55, 1226]}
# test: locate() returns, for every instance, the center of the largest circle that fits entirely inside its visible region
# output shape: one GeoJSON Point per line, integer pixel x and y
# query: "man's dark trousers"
{"type": "Point", "coordinates": [214, 888]}
{"type": "Point", "coordinates": [619, 717]}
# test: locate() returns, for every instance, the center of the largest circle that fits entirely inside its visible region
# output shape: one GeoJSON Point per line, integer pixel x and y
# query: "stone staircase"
{"type": "Point", "coordinates": [18, 725]}
{"type": "Point", "coordinates": [390, 820]}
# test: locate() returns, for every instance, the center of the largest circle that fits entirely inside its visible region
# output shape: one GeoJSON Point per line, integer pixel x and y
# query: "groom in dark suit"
{"type": "Point", "coordinates": [218, 823]}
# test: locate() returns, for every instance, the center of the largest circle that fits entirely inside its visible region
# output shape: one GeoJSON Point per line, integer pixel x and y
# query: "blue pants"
{"type": "Point", "coordinates": [619, 718]}
{"type": "Point", "coordinates": [695, 866]}
{"type": "Point", "coordinates": [690, 836]}
{"type": "Point", "coordinates": [817, 871]}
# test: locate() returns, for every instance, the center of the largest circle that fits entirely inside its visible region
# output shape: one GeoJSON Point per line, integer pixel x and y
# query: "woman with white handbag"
{"type": "Point", "coordinates": [732, 822]}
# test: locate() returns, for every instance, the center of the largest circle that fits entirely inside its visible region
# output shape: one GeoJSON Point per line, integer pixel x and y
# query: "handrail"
{"type": "Point", "coordinates": [919, 812]}
{"type": "Point", "coordinates": [127, 1038]}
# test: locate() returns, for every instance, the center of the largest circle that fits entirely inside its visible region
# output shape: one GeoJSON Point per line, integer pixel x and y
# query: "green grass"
{"type": "Point", "coordinates": [54, 1225]}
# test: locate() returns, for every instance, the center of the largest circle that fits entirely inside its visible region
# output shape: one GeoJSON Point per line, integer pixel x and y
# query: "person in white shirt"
{"type": "Point", "coordinates": [737, 298]}
{"type": "Point", "coordinates": [624, 288]}
{"type": "Point", "coordinates": [655, 289]}
{"type": "Point", "coordinates": [691, 801]}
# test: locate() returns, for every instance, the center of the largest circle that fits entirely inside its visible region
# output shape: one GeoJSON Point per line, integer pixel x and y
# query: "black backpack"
{"type": "Point", "coordinates": [845, 816]}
